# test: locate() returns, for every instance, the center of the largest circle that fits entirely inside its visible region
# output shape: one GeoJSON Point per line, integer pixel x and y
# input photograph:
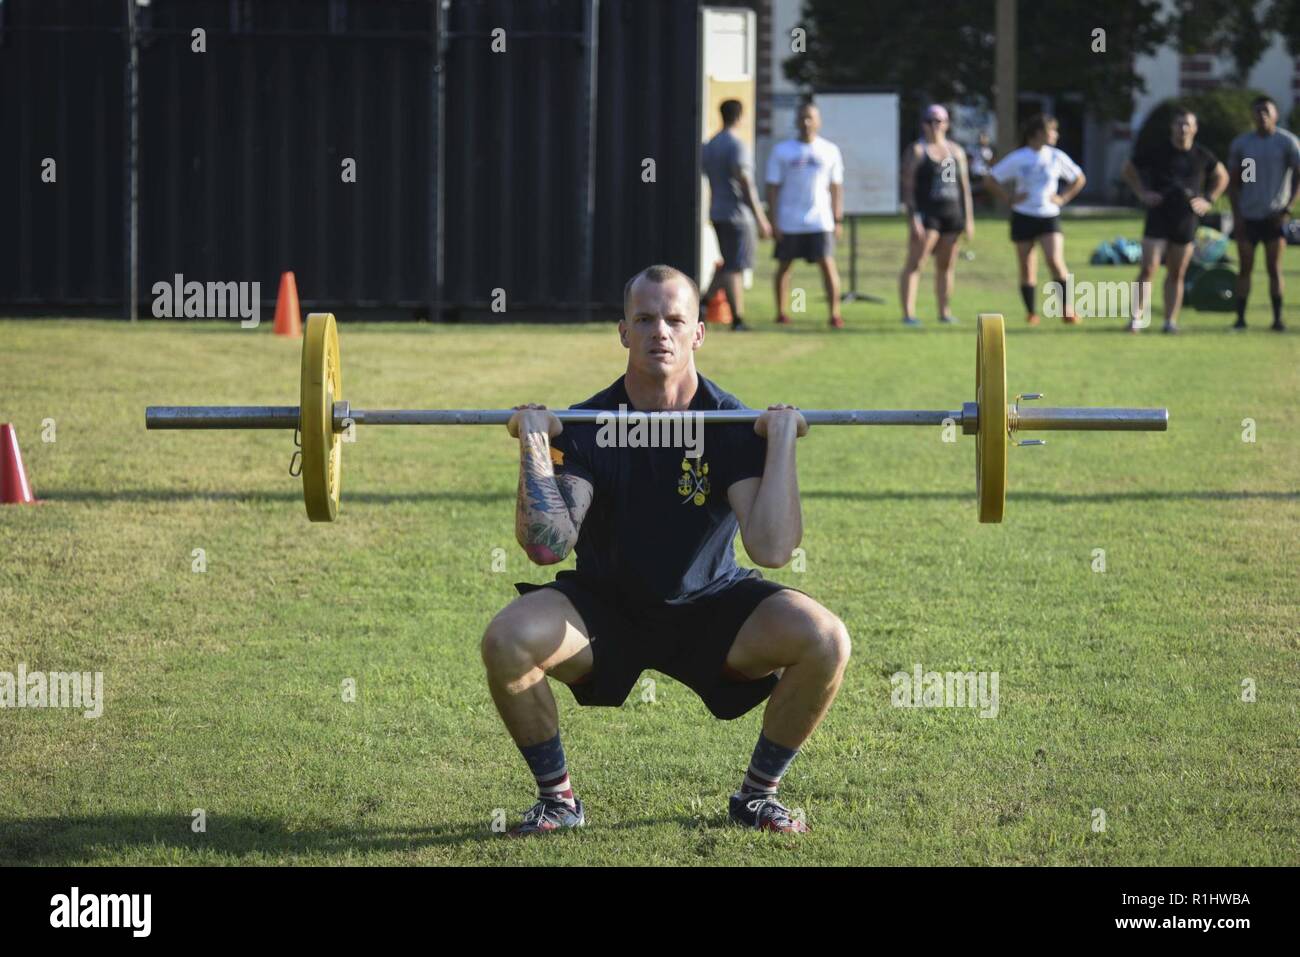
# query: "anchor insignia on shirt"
{"type": "Point", "coordinates": [693, 483]}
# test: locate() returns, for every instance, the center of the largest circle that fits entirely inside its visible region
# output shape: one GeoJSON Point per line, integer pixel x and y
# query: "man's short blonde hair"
{"type": "Point", "coordinates": [660, 273]}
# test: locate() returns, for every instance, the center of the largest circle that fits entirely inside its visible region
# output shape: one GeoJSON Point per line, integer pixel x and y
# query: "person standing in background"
{"type": "Point", "coordinates": [805, 191]}
{"type": "Point", "coordinates": [1029, 179]}
{"type": "Point", "coordinates": [936, 193]}
{"type": "Point", "coordinates": [1263, 177]}
{"type": "Point", "coordinates": [726, 162]}
{"type": "Point", "coordinates": [1178, 181]}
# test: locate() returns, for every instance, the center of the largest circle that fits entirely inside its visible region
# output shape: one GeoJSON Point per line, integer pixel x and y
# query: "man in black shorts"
{"type": "Point", "coordinates": [1265, 168]}
{"type": "Point", "coordinates": [657, 584]}
{"type": "Point", "coordinates": [1178, 181]}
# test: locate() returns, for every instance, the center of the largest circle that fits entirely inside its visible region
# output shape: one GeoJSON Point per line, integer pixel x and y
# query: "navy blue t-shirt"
{"type": "Point", "coordinates": [660, 529]}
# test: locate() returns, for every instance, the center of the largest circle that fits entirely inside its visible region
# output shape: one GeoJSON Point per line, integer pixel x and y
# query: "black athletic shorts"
{"type": "Point", "coordinates": [1260, 230]}
{"type": "Point", "coordinates": [688, 642]}
{"type": "Point", "coordinates": [1173, 223]}
{"type": "Point", "coordinates": [943, 223]}
{"type": "Point", "coordinates": [1026, 228]}
{"type": "Point", "coordinates": [811, 247]}
{"type": "Point", "coordinates": [736, 243]}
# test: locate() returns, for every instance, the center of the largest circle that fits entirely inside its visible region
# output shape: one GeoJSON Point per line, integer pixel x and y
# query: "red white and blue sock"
{"type": "Point", "coordinates": [551, 770]}
{"type": "Point", "coordinates": [767, 766]}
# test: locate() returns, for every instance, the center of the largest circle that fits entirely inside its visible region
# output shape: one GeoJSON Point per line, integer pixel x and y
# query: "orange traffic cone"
{"type": "Point", "coordinates": [288, 317]}
{"type": "Point", "coordinates": [14, 487]}
{"type": "Point", "coordinates": [719, 309]}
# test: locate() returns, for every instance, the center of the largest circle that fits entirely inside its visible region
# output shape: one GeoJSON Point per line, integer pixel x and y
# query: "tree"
{"type": "Point", "coordinates": [1220, 116]}
{"type": "Point", "coordinates": [944, 56]}
{"type": "Point", "coordinates": [1090, 47]}
{"type": "Point", "coordinates": [1239, 30]}
{"type": "Point", "coordinates": [942, 50]}
{"type": "Point", "coordinates": [1284, 17]}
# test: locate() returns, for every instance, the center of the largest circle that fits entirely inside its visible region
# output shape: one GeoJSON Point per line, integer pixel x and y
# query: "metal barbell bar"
{"type": "Point", "coordinates": [162, 417]}
{"type": "Point", "coordinates": [323, 414]}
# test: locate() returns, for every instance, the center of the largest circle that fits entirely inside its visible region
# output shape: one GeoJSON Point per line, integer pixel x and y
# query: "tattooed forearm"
{"type": "Point", "coordinates": [543, 495]}
{"type": "Point", "coordinates": [545, 544]}
{"type": "Point", "coordinates": [577, 495]}
{"type": "Point", "coordinates": [548, 509]}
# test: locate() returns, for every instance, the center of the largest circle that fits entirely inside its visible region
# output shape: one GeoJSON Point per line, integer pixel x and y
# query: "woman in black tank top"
{"type": "Point", "coordinates": [934, 196]}
{"type": "Point", "coordinates": [936, 192]}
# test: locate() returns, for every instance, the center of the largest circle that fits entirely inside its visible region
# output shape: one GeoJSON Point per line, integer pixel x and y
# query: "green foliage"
{"type": "Point", "coordinates": [949, 57]}
{"type": "Point", "coordinates": [1284, 17]}
{"type": "Point", "coordinates": [1060, 50]}
{"type": "Point", "coordinates": [1221, 115]}
{"type": "Point", "coordinates": [1241, 30]}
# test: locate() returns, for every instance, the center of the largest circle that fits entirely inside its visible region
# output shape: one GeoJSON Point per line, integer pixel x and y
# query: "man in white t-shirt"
{"type": "Point", "coordinates": [805, 192]}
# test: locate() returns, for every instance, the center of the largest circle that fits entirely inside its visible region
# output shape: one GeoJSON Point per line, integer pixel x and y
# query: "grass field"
{"type": "Point", "coordinates": [1119, 691]}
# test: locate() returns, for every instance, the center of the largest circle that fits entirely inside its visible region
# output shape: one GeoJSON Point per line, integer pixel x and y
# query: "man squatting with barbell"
{"type": "Point", "coordinates": [657, 584]}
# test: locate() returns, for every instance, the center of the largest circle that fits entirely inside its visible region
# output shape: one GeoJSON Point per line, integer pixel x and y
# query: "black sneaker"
{"type": "Point", "coordinates": [1278, 326]}
{"type": "Point", "coordinates": [763, 812]}
{"type": "Point", "coordinates": [1238, 326]}
{"type": "Point", "coordinates": [738, 325]}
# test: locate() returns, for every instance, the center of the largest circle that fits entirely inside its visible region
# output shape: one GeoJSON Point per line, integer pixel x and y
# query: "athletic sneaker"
{"type": "Point", "coordinates": [911, 321]}
{"type": "Point", "coordinates": [782, 319]}
{"type": "Point", "coordinates": [948, 319]}
{"type": "Point", "coordinates": [549, 814]}
{"type": "Point", "coordinates": [763, 812]}
{"type": "Point", "coordinates": [1032, 319]}
{"type": "Point", "coordinates": [1278, 326]}
{"type": "Point", "coordinates": [837, 322]}
{"type": "Point", "coordinates": [1238, 326]}
{"type": "Point", "coordinates": [738, 325]}
{"type": "Point", "coordinates": [1171, 328]}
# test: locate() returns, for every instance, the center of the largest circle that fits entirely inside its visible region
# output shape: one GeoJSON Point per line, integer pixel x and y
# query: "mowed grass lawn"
{"type": "Point", "coordinates": [1120, 691]}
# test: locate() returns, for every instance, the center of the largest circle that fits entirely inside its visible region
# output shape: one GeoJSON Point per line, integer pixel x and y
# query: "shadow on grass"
{"type": "Point", "coordinates": [63, 841]}
{"type": "Point", "coordinates": [73, 839]}
{"type": "Point", "coordinates": [489, 498]}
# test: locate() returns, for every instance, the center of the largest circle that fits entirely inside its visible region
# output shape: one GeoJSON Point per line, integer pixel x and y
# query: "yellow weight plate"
{"type": "Point", "coordinates": [991, 395]}
{"type": "Point", "coordinates": [322, 386]}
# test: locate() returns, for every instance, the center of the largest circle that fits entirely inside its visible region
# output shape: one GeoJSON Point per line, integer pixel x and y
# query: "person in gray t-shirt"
{"type": "Point", "coordinates": [1265, 175]}
{"type": "Point", "coordinates": [726, 162]}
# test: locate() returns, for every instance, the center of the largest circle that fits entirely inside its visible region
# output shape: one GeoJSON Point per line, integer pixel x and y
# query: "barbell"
{"type": "Point", "coordinates": [322, 415]}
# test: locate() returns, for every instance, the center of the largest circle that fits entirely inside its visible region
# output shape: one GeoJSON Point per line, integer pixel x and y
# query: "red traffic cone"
{"type": "Point", "coordinates": [288, 317]}
{"type": "Point", "coordinates": [14, 487]}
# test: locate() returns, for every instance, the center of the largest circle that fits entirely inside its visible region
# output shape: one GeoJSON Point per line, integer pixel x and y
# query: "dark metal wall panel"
{"type": "Point", "coordinates": [648, 93]}
{"type": "Point", "coordinates": [61, 97]}
{"type": "Point", "coordinates": [514, 155]}
{"type": "Point", "coordinates": [242, 147]}
{"type": "Point", "coordinates": [516, 148]}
